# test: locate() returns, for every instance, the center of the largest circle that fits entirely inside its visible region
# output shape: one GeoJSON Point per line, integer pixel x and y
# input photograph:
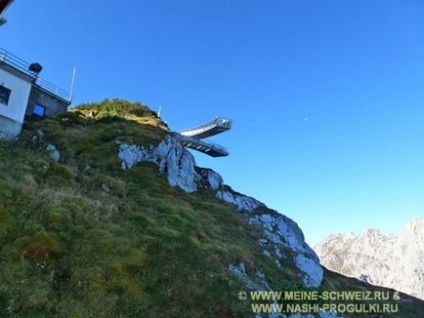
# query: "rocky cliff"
{"type": "Point", "coordinates": [392, 260]}
{"type": "Point", "coordinates": [278, 232]}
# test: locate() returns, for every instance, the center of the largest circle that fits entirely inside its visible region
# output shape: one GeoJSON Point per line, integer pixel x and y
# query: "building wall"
{"type": "Point", "coordinates": [9, 128]}
{"type": "Point", "coordinates": [53, 105]}
{"type": "Point", "coordinates": [23, 97]}
{"type": "Point", "coordinates": [18, 100]}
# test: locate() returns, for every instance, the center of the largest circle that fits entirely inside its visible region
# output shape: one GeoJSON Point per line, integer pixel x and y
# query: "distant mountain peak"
{"type": "Point", "coordinates": [389, 260]}
{"type": "Point", "coordinates": [415, 226]}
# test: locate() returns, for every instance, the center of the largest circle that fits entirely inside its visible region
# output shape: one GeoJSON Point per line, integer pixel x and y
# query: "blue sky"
{"type": "Point", "coordinates": [326, 96]}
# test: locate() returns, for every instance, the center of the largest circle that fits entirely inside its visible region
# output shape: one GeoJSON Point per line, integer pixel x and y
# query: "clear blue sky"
{"type": "Point", "coordinates": [326, 96]}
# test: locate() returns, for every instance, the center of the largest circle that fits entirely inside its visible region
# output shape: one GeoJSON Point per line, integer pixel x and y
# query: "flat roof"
{"type": "Point", "coordinates": [19, 67]}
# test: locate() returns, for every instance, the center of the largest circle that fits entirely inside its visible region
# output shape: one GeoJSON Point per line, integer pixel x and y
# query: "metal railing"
{"type": "Point", "coordinates": [22, 66]}
{"type": "Point", "coordinates": [202, 145]}
{"type": "Point", "coordinates": [216, 122]}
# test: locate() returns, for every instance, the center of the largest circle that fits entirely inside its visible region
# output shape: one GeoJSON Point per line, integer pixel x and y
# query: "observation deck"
{"type": "Point", "coordinates": [192, 138]}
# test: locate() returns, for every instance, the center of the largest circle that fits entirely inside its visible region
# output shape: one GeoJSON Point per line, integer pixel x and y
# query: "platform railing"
{"type": "Point", "coordinates": [202, 143]}
{"type": "Point", "coordinates": [23, 67]}
{"type": "Point", "coordinates": [216, 122]}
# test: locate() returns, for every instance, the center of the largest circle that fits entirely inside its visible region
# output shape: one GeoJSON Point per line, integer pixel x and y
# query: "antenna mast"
{"type": "Point", "coordinates": [71, 93]}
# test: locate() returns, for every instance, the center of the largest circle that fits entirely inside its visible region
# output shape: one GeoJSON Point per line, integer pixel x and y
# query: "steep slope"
{"type": "Point", "coordinates": [394, 261]}
{"type": "Point", "coordinates": [104, 214]}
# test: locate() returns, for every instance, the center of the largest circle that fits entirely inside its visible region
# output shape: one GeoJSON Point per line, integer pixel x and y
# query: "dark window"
{"type": "Point", "coordinates": [4, 95]}
{"type": "Point", "coordinates": [39, 110]}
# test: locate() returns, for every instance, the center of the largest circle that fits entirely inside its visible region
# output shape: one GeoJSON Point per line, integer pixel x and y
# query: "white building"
{"type": "Point", "coordinates": [25, 96]}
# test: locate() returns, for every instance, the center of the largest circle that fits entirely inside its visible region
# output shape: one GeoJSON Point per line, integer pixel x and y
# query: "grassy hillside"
{"type": "Point", "coordinates": [82, 238]}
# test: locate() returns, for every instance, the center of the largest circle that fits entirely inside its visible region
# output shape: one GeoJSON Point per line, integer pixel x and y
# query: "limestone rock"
{"type": "Point", "coordinates": [394, 261]}
{"type": "Point", "coordinates": [242, 202]}
{"type": "Point", "coordinates": [169, 155]}
{"type": "Point", "coordinates": [279, 231]}
{"type": "Point", "coordinates": [54, 153]}
{"type": "Point", "coordinates": [209, 178]}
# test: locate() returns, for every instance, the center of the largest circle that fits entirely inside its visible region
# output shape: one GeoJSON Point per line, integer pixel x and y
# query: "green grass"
{"type": "Point", "coordinates": [143, 249]}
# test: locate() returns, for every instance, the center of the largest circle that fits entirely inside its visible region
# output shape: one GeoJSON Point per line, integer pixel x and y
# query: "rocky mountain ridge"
{"type": "Point", "coordinates": [393, 260]}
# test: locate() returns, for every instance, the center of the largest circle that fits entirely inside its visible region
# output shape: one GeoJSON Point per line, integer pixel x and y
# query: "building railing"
{"type": "Point", "coordinates": [23, 67]}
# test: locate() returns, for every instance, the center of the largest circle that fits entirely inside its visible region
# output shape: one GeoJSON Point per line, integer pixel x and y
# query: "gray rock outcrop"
{"type": "Point", "coordinates": [394, 261]}
{"type": "Point", "coordinates": [279, 232]}
{"type": "Point", "coordinates": [170, 156]}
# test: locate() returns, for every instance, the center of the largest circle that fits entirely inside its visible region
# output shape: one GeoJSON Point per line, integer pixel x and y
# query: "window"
{"type": "Point", "coordinates": [39, 110]}
{"type": "Point", "coordinates": [4, 95]}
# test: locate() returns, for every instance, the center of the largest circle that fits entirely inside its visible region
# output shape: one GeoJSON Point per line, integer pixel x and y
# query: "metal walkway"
{"type": "Point", "coordinates": [191, 138]}
{"type": "Point", "coordinates": [214, 127]}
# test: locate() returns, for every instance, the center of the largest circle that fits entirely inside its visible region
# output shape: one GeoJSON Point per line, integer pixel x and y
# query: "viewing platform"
{"type": "Point", "coordinates": [216, 126]}
{"type": "Point", "coordinates": [192, 138]}
{"type": "Point", "coordinates": [207, 147]}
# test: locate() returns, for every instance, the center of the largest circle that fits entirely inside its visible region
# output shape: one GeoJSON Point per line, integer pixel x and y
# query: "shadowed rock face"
{"type": "Point", "coordinates": [394, 261]}
{"type": "Point", "coordinates": [279, 232]}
